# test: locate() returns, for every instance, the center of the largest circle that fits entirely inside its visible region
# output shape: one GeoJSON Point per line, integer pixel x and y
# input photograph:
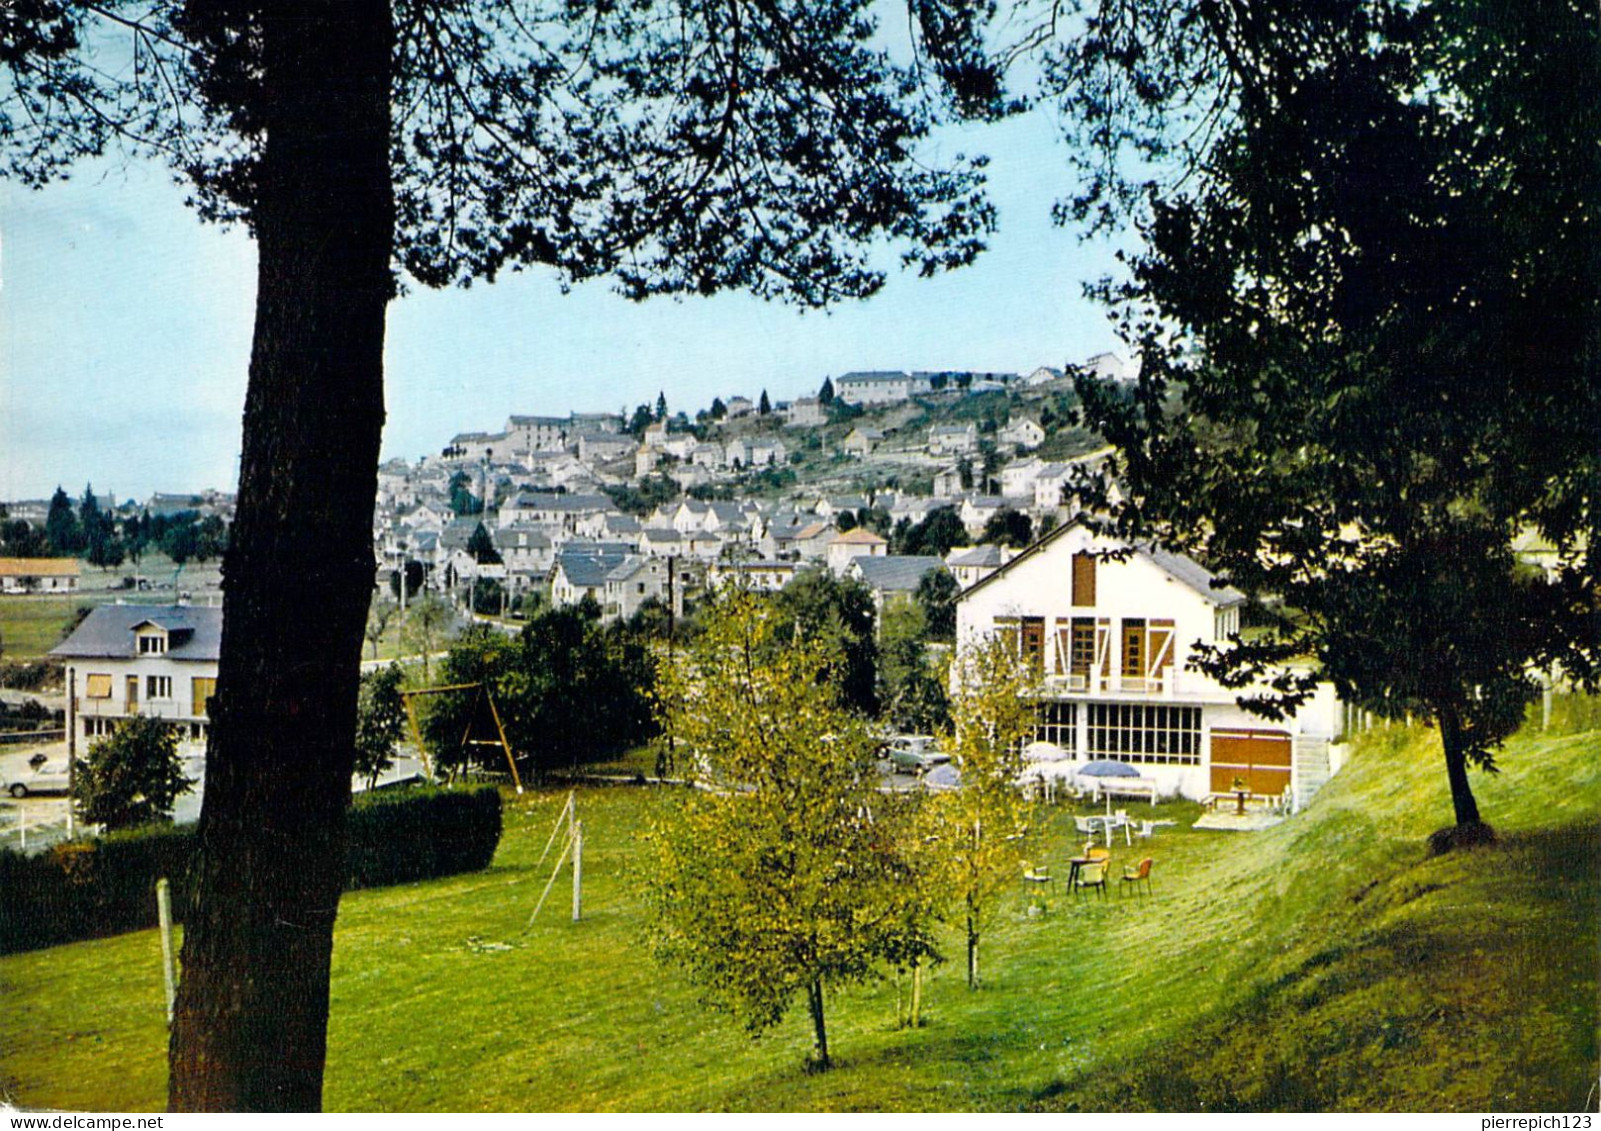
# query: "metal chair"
{"type": "Point", "coordinates": [1136, 875]}
{"type": "Point", "coordinates": [1092, 875]}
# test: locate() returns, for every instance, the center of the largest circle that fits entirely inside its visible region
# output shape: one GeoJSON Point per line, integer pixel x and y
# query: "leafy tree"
{"type": "Point", "coordinates": [825, 395]}
{"type": "Point", "coordinates": [983, 824]}
{"type": "Point", "coordinates": [462, 500]}
{"type": "Point", "coordinates": [840, 611]}
{"type": "Point", "coordinates": [964, 472]}
{"type": "Point", "coordinates": [23, 541]}
{"type": "Point", "coordinates": [784, 875]}
{"type": "Point", "coordinates": [640, 421]}
{"type": "Point", "coordinates": [132, 777]}
{"type": "Point", "coordinates": [936, 596]}
{"type": "Point", "coordinates": [61, 526]}
{"type": "Point", "coordinates": [1008, 527]}
{"type": "Point", "coordinates": [414, 573]}
{"type": "Point", "coordinates": [481, 547]}
{"type": "Point", "coordinates": [380, 612]}
{"type": "Point", "coordinates": [426, 623]}
{"type": "Point", "coordinates": [719, 409]}
{"type": "Point", "coordinates": [935, 535]}
{"type": "Point", "coordinates": [910, 689]}
{"type": "Point", "coordinates": [674, 148]}
{"type": "Point", "coordinates": [380, 722]}
{"type": "Point", "coordinates": [1340, 404]}
{"type": "Point", "coordinates": [845, 521]}
{"type": "Point", "coordinates": [764, 406]}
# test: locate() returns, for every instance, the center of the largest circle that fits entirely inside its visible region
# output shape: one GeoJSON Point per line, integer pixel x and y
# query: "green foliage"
{"type": "Point", "coordinates": [653, 491]}
{"type": "Point", "coordinates": [568, 690]}
{"type": "Point", "coordinates": [380, 721]}
{"type": "Point", "coordinates": [786, 874]}
{"type": "Point", "coordinates": [481, 546]}
{"type": "Point", "coordinates": [1008, 527]}
{"type": "Point", "coordinates": [462, 500]}
{"type": "Point", "coordinates": [1338, 399]}
{"type": "Point", "coordinates": [935, 535]}
{"type": "Point", "coordinates": [838, 611]}
{"type": "Point", "coordinates": [983, 825]}
{"type": "Point", "coordinates": [936, 596]}
{"type": "Point", "coordinates": [911, 690]}
{"type": "Point", "coordinates": [91, 889]}
{"type": "Point", "coordinates": [427, 621]}
{"type": "Point", "coordinates": [132, 777]}
{"type": "Point", "coordinates": [61, 526]}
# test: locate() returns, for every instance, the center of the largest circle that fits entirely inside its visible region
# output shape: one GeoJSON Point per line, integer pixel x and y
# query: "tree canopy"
{"type": "Point", "coordinates": [1370, 330]}
{"type": "Point", "coordinates": [132, 777]}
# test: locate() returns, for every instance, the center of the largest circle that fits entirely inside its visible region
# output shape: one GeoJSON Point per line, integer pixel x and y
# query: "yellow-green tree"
{"type": "Point", "coordinates": [782, 873]}
{"type": "Point", "coordinates": [982, 826]}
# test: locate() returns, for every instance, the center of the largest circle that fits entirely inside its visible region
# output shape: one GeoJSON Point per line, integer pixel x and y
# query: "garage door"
{"type": "Point", "coordinates": [1260, 758]}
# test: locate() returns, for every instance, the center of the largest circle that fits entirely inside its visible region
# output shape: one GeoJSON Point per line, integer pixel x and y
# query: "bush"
{"type": "Point", "coordinates": [30, 675]}
{"type": "Point", "coordinates": [91, 889]}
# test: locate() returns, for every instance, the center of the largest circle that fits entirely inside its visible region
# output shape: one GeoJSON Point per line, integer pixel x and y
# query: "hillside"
{"type": "Point", "coordinates": [1326, 963]}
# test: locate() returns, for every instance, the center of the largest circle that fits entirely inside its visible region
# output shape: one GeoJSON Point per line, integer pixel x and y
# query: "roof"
{"type": "Point", "coordinates": [1184, 570]}
{"type": "Point", "coordinates": [39, 567]}
{"type": "Point", "coordinates": [554, 501]}
{"type": "Point", "coordinates": [195, 632]}
{"type": "Point", "coordinates": [860, 536]}
{"type": "Point", "coordinates": [986, 554]}
{"type": "Point", "coordinates": [587, 564]}
{"type": "Point", "coordinates": [871, 376]}
{"type": "Point", "coordinates": [899, 574]}
{"type": "Point", "coordinates": [536, 422]}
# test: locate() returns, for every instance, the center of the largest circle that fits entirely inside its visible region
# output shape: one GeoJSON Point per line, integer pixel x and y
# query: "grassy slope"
{"type": "Point", "coordinates": [1325, 963]}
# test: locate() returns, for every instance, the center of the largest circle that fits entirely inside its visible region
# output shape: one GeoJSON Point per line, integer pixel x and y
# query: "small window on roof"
{"type": "Point", "coordinates": [152, 644]}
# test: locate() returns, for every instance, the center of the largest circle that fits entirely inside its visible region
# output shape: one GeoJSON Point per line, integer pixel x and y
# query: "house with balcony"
{"type": "Point", "coordinates": [1109, 630]}
{"type": "Point", "coordinates": [123, 661]}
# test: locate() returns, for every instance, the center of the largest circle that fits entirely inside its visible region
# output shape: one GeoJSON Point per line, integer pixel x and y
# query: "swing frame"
{"type": "Point", "coordinates": [467, 740]}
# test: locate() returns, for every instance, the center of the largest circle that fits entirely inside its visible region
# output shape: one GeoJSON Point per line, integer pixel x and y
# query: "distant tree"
{"type": "Point", "coordinates": [911, 692]}
{"type": "Point", "coordinates": [414, 574]}
{"type": "Point", "coordinates": [380, 722]}
{"type": "Point", "coordinates": [785, 875]}
{"type": "Point", "coordinates": [983, 824]}
{"type": "Point", "coordinates": [964, 472]}
{"type": "Point", "coordinates": [487, 596]}
{"type": "Point", "coordinates": [640, 421]}
{"type": "Point", "coordinates": [23, 540]}
{"type": "Point", "coordinates": [840, 612]}
{"type": "Point", "coordinates": [875, 519]}
{"type": "Point", "coordinates": [936, 534]}
{"type": "Point", "coordinates": [61, 526]}
{"type": "Point", "coordinates": [97, 532]}
{"type": "Point", "coordinates": [481, 546]}
{"type": "Point", "coordinates": [845, 521]}
{"type": "Point", "coordinates": [936, 595]}
{"type": "Point", "coordinates": [719, 409]}
{"type": "Point", "coordinates": [463, 502]}
{"type": "Point", "coordinates": [825, 395]}
{"type": "Point", "coordinates": [132, 777]}
{"type": "Point", "coordinates": [661, 406]}
{"type": "Point", "coordinates": [1008, 527]}
{"type": "Point", "coordinates": [380, 612]}
{"type": "Point", "coordinates": [764, 406]}
{"type": "Point", "coordinates": [427, 621]}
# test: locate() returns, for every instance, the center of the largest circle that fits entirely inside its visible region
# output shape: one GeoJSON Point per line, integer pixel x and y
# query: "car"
{"type": "Point", "coordinates": [914, 753]}
{"type": "Point", "coordinates": [39, 778]}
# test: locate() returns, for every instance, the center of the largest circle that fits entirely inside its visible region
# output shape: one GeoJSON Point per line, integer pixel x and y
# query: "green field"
{"type": "Point", "coordinates": [1326, 963]}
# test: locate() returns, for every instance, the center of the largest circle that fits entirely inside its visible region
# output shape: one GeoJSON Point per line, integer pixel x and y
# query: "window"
{"type": "Point", "coordinates": [1081, 656]}
{"type": "Point", "coordinates": [1057, 723]}
{"type": "Point", "coordinates": [158, 687]}
{"type": "Point", "coordinates": [96, 727]}
{"type": "Point", "coordinates": [1033, 644]}
{"type": "Point", "coordinates": [152, 645]}
{"type": "Point", "coordinates": [97, 686]}
{"type": "Point", "coordinates": [1133, 647]}
{"type": "Point", "coordinates": [1083, 579]}
{"type": "Point", "coordinates": [1137, 732]}
{"type": "Point", "coordinates": [201, 691]}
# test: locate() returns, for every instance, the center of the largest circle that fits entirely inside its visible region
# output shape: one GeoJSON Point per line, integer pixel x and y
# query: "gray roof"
{"type": "Point", "coordinates": [1195, 575]}
{"type": "Point", "coordinates": [985, 554]}
{"type": "Point", "coordinates": [554, 501]}
{"type": "Point", "coordinates": [896, 574]}
{"type": "Point", "coordinates": [193, 632]}
{"type": "Point", "coordinates": [586, 564]}
{"type": "Point", "coordinates": [869, 376]}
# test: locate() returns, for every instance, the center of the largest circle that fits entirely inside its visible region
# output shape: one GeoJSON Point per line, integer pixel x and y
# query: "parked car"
{"type": "Point", "coordinates": [39, 777]}
{"type": "Point", "coordinates": [914, 753]}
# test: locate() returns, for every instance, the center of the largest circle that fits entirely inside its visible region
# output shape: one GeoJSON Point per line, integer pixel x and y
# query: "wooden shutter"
{"type": "Point", "coordinates": [1083, 579]}
{"type": "Point", "coordinates": [97, 686]}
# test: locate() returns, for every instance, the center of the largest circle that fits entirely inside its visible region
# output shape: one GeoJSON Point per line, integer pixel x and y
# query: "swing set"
{"type": "Point", "coordinates": [484, 697]}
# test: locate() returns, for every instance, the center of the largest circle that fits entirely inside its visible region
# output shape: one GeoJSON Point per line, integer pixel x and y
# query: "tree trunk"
{"type": "Point", "coordinates": [972, 948]}
{"type": "Point", "coordinates": [814, 999]}
{"type": "Point", "coordinates": [250, 1032]}
{"type": "Point", "coordinates": [1456, 768]}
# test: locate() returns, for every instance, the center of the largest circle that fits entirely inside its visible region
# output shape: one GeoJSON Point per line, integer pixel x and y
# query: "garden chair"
{"type": "Point", "coordinates": [1092, 875]}
{"type": "Point", "coordinates": [1039, 875]}
{"type": "Point", "coordinates": [1138, 874]}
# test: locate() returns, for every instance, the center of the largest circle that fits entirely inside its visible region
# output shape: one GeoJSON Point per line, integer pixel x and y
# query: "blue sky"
{"type": "Point", "coordinates": [125, 330]}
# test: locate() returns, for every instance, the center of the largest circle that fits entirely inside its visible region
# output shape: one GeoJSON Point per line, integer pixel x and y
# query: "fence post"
{"type": "Point", "coordinates": [578, 869]}
{"type": "Point", "coordinates": [164, 912]}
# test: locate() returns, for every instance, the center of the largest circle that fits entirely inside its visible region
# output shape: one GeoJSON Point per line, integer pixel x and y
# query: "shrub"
{"type": "Point", "coordinates": [105, 886]}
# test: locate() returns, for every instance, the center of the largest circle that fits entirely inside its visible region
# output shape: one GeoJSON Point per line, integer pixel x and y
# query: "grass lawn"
{"type": "Point", "coordinates": [1325, 963]}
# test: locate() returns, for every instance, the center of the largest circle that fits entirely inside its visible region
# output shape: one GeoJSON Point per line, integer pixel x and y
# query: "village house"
{"type": "Point", "coordinates": [952, 439]}
{"type": "Point", "coordinates": [1022, 433]}
{"type": "Point", "coordinates": [1017, 478]}
{"type": "Point", "coordinates": [555, 512]}
{"type": "Point", "coordinates": [39, 575]}
{"type": "Point", "coordinates": [634, 581]}
{"type": "Point", "coordinates": [1110, 639]}
{"type": "Point", "coordinates": [861, 441]}
{"type": "Point", "coordinates": [739, 406]}
{"type": "Point", "coordinates": [536, 434]}
{"type": "Point", "coordinates": [948, 483]}
{"type": "Point", "coordinates": [893, 577]}
{"type": "Point", "coordinates": [581, 570]}
{"type": "Point", "coordinates": [764, 576]}
{"type": "Point", "coordinates": [158, 661]}
{"type": "Point", "coordinates": [880, 387]}
{"type": "Point", "coordinates": [976, 512]}
{"type": "Point", "coordinates": [604, 447]}
{"type": "Point", "coordinates": [859, 542]}
{"type": "Point", "coordinates": [972, 564]}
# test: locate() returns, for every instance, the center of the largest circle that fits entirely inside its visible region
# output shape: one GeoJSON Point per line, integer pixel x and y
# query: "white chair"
{"type": "Point", "coordinates": [1121, 816]}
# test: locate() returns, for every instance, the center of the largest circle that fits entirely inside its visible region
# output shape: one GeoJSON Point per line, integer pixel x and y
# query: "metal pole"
{"type": "Point", "coordinates": [72, 746]}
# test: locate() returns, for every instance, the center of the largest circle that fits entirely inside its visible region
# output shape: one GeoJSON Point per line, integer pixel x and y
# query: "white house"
{"type": "Point", "coordinates": [805, 412]}
{"type": "Point", "coordinates": [633, 581]}
{"type": "Point", "coordinates": [880, 387]}
{"type": "Point", "coordinates": [537, 433]}
{"type": "Point", "coordinates": [153, 660]}
{"type": "Point", "coordinates": [858, 542]}
{"type": "Point", "coordinates": [38, 575]}
{"type": "Point", "coordinates": [861, 441]}
{"type": "Point", "coordinates": [952, 439]}
{"type": "Point", "coordinates": [1111, 639]}
{"type": "Point", "coordinates": [972, 564]}
{"type": "Point", "coordinates": [1017, 478]}
{"type": "Point", "coordinates": [1023, 433]}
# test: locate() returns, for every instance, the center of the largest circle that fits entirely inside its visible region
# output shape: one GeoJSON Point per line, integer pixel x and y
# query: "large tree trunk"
{"type": "Point", "coordinates": [251, 1027]}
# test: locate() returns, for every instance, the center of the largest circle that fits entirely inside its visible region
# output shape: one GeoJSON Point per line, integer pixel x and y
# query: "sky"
{"type": "Point", "coordinates": [125, 330]}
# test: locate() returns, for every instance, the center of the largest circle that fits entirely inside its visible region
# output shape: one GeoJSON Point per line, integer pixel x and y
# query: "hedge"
{"type": "Point", "coordinates": [90, 889]}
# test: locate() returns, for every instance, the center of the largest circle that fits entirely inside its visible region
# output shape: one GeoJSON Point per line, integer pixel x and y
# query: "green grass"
{"type": "Point", "coordinates": [1325, 963]}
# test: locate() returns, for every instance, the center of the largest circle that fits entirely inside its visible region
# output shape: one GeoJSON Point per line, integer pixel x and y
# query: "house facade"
{"type": "Point", "coordinates": [126, 661]}
{"type": "Point", "coordinates": [1110, 639]}
{"type": "Point", "coordinates": [38, 575]}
